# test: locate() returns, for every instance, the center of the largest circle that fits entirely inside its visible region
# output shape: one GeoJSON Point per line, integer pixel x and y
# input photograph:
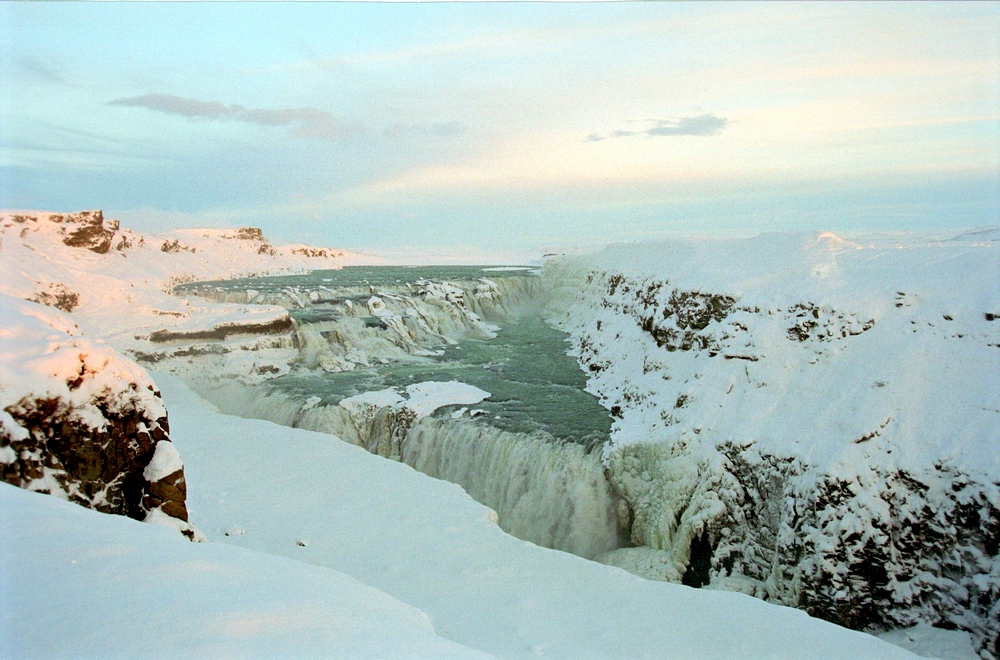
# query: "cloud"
{"type": "Point", "coordinates": [445, 129]}
{"type": "Point", "coordinates": [707, 124]}
{"type": "Point", "coordinates": [303, 122]}
{"type": "Point", "coordinates": [41, 71]}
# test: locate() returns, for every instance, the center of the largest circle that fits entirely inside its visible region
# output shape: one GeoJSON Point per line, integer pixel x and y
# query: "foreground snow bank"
{"type": "Point", "coordinates": [80, 421]}
{"type": "Point", "coordinates": [428, 544]}
{"type": "Point", "coordinates": [79, 584]}
{"type": "Point", "coordinates": [804, 418]}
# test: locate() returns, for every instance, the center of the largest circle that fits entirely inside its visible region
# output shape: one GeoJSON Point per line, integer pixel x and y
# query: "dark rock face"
{"type": "Point", "coordinates": [99, 468]}
{"type": "Point", "coordinates": [316, 252]}
{"type": "Point", "coordinates": [89, 231]}
{"type": "Point", "coordinates": [249, 234]}
{"type": "Point", "coordinates": [220, 332]}
{"type": "Point", "coordinates": [168, 495]}
{"type": "Point", "coordinates": [175, 245]}
{"type": "Point", "coordinates": [926, 555]}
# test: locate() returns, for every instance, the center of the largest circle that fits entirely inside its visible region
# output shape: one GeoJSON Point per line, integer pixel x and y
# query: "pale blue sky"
{"type": "Point", "coordinates": [501, 126]}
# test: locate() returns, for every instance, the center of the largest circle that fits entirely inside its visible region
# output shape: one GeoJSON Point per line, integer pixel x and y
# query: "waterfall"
{"type": "Point", "coordinates": [554, 495]}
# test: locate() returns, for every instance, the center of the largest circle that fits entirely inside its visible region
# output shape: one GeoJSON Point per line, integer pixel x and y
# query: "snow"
{"type": "Point", "coordinates": [426, 543]}
{"type": "Point", "coordinates": [44, 355]}
{"type": "Point", "coordinates": [138, 271]}
{"type": "Point", "coordinates": [925, 299]}
{"type": "Point", "coordinates": [930, 642]}
{"type": "Point", "coordinates": [425, 398]}
{"type": "Point", "coordinates": [72, 576]}
{"type": "Point", "coordinates": [821, 359]}
{"type": "Point", "coordinates": [378, 399]}
{"type": "Point", "coordinates": [422, 398]}
{"type": "Point", "coordinates": [802, 395]}
{"type": "Point", "coordinates": [157, 517]}
{"type": "Point", "coordinates": [165, 462]}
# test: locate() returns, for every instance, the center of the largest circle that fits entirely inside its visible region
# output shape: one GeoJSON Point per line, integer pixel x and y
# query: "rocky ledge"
{"type": "Point", "coordinates": [81, 422]}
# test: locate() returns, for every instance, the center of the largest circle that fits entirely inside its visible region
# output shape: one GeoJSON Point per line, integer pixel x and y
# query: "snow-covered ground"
{"type": "Point", "coordinates": [117, 282]}
{"type": "Point", "coordinates": [309, 497]}
{"type": "Point", "coordinates": [799, 417]}
{"type": "Point", "coordinates": [81, 584]}
{"type": "Point", "coordinates": [805, 418]}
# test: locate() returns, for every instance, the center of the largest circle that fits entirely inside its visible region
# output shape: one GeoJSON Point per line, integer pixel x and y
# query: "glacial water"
{"type": "Point", "coordinates": [350, 277]}
{"type": "Point", "coordinates": [535, 386]}
{"type": "Point", "coordinates": [527, 451]}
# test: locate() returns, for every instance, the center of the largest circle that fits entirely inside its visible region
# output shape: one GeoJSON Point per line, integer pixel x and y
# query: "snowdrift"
{"type": "Point", "coordinates": [79, 584]}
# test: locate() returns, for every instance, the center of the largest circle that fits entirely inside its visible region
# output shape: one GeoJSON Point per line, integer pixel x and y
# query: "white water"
{"type": "Point", "coordinates": [551, 494]}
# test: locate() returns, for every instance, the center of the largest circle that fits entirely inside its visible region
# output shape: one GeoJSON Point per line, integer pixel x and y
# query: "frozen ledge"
{"type": "Point", "coordinates": [422, 398]}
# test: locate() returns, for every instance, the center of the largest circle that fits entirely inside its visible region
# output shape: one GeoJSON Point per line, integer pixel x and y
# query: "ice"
{"type": "Point", "coordinates": [422, 398]}
{"type": "Point", "coordinates": [425, 398]}
{"type": "Point", "coordinates": [377, 399]}
{"type": "Point", "coordinates": [165, 462]}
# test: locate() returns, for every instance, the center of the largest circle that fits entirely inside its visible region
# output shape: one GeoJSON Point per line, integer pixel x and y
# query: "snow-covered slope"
{"type": "Point", "coordinates": [117, 282]}
{"type": "Point", "coordinates": [805, 418]}
{"type": "Point", "coordinates": [80, 584]}
{"type": "Point", "coordinates": [427, 543]}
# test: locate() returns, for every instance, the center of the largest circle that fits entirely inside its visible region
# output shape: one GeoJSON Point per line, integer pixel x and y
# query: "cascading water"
{"type": "Point", "coordinates": [528, 451]}
{"type": "Point", "coordinates": [545, 492]}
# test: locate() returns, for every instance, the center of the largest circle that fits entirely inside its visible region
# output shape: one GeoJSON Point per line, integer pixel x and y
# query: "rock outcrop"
{"type": "Point", "coordinates": [81, 422]}
{"type": "Point", "coordinates": [87, 229]}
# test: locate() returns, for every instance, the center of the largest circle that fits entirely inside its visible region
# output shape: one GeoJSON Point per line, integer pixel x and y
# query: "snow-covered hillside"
{"type": "Point", "coordinates": [798, 417]}
{"type": "Point", "coordinates": [117, 282]}
{"type": "Point", "coordinates": [807, 419]}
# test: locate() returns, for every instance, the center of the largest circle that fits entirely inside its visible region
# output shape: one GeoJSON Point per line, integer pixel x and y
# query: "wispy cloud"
{"type": "Point", "coordinates": [41, 71]}
{"type": "Point", "coordinates": [438, 129]}
{"type": "Point", "coordinates": [707, 124]}
{"type": "Point", "coordinates": [303, 122]}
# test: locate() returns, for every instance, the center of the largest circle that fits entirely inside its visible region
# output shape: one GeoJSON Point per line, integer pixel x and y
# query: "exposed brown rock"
{"type": "Point", "coordinates": [249, 234]}
{"type": "Point", "coordinates": [220, 332]}
{"type": "Point", "coordinates": [56, 295]}
{"type": "Point", "coordinates": [90, 230]}
{"type": "Point", "coordinates": [99, 468]}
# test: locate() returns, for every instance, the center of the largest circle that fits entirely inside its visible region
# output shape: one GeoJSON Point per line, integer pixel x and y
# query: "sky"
{"type": "Point", "coordinates": [493, 128]}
